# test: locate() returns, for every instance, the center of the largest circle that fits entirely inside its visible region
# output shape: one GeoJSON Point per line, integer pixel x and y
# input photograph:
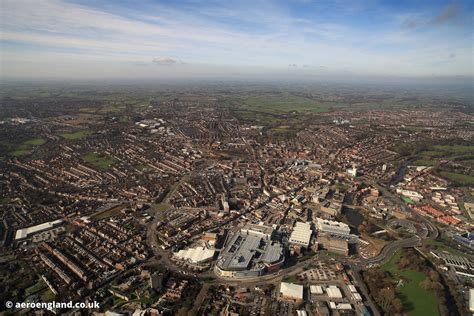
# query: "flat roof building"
{"type": "Point", "coordinates": [291, 291]}
{"type": "Point", "coordinates": [471, 300]}
{"type": "Point", "coordinates": [301, 234]}
{"type": "Point", "coordinates": [196, 255]}
{"type": "Point", "coordinates": [333, 292]}
{"type": "Point", "coordinates": [316, 289]}
{"type": "Point", "coordinates": [25, 232]}
{"type": "Point", "coordinates": [332, 227]}
{"type": "Point", "coordinates": [249, 253]}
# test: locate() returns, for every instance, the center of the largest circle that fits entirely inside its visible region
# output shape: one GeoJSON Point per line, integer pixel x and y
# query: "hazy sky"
{"type": "Point", "coordinates": [174, 39]}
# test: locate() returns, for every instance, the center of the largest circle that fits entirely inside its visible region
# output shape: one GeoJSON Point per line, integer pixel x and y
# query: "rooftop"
{"type": "Point", "coordinates": [291, 290]}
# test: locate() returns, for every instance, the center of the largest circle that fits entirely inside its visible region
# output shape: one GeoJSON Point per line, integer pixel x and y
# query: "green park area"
{"type": "Point", "coordinates": [416, 300]}
{"type": "Point", "coordinates": [98, 161]}
{"type": "Point", "coordinates": [23, 148]}
{"type": "Point", "coordinates": [76, 135]}
{"type": "Point", "coordinates": [408, 200]}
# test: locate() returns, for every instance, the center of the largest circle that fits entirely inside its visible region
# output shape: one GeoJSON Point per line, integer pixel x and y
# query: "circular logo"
{"type": "Point", "coordinates": [9, 304]}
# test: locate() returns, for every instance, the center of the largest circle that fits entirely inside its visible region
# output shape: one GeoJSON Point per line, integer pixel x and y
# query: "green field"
{"type": "Point", "coordinates": [47, 295]}
{"type": "Point", "coordinates": [408, 200]}
{"type": "Point", "coordinates": [463, 179]}
{"type": "Point", "coordinates": [98, 161]}
{"type": "Point", "coordinates": [441, 246]}
{"type": "Point", "coordinates": [76, 135]}
{"type": "Point", "coordinates": [283, 104]}
{"type": "Point", "coordinates": [25, 147]}
{"type": "Point", "coordinates": [35, 142]}
{"type": "Point", "coordinates": [437, 155]}
{"type": "Point", "coordinates": [450, 152]}
{"type": "Point", "coordinates": [39, 286]}
{"type": "Point", "coordinates": [416, 300]}
{"type": "Point", "coordinates": [20, 151]}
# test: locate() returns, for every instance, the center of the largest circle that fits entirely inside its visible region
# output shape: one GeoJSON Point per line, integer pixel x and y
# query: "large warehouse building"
{"type": "Point", "coordinates": [290, 291]}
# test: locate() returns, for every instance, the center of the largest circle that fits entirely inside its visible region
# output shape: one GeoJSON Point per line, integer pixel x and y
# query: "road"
{"type": "Point", "coordinates": [389, 250]}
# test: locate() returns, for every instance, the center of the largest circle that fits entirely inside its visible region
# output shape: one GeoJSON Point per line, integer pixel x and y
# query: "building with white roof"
{"type": "Point", "coordinates": [471, 300]}
{"type": "Point", "coordinates": [332, 227]}
{"type": "Point", "coordinates": [415, 196]}
{"type": "Point", "coordinates": [291, 291]}
{"type": "Point", "coordinates": [25, 232]}
{"type": "Point", "coordinates": [301, 234]}
{"type": "Point", "coordinates": [344, 306]}
{"type": "Point", "coordinates": [195, 255]}
{"type": "Point", "coordinates": [357, 297]}
{"type": "Point", "coordinates": [333, 292]}
{"type": "Point", "coordinates": [316, 289]}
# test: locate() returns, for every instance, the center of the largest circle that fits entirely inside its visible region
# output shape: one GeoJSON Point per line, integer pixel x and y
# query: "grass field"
{"type": "Point", "coordinates": [20, 151]}
{"type": "Point", "coordinates": [283, 104]}
{"type": "Point", "coordinates": [451, 152]}
{"type": "Point", "coordinates": [39, 286]}
{"type": "Point", "coordinates": [463, 179]}
{"type": "Point", "coordinates": [98, 161]}
{"type": "Point", "coordinates": [443, 247]}
{"type": "Point", "coordinates": [25, 147]}
{"type": "Point", "coordinates": [35, 142]}
{"type": "Point", "coordinates": [416, 300]}
{"type": "Point", "coordinates": [76, 135]}
{"type": "Point", "coordinates": [408, 200]}
{"type": "Point", "coordinates": [436, 156]}
{"type": "Point", "coordinates": [47, 295]}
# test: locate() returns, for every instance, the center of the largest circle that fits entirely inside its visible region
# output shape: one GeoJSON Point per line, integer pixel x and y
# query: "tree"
{"type": "Point", "coordinates": [397, 305]}
{"type": "Point", "coordinates": [434, 276]}
{"type": "Point", "coordinates": [404, 263]}
{"type": "Point", "coordinates": [385, 298]}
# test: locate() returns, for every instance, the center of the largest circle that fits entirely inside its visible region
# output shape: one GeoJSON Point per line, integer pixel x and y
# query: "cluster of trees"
{"type": "Point", "coordinates": [382, 287]}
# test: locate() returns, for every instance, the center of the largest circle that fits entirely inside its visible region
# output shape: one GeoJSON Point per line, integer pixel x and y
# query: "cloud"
{"type": "Point", "coordinates": [263, 37]}
{"type": "Point", "coordinates": [452, 56]}
{"type": "Point", "coordinates": [448, 13]}
{"type": "Point", "coordinates": [167, 61]}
